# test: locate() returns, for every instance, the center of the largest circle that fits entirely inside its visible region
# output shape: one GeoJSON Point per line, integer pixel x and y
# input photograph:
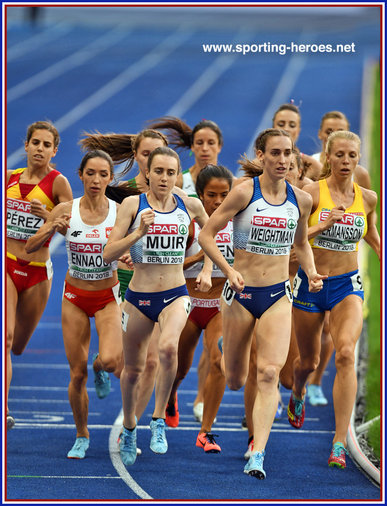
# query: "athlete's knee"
{"type": "Point", "coordinates": [167, 353]}
{"type": "Point", "coordinates": [309, 364]}
{"type": "Point", "coordinates": [235, 382]}
{"type": "Point", "coordinates": [268, 375]}
{"type": "Point", "coordinates": [109, 362]}
{"type": "Point", "coordinates": [151, 364]}
{"type": "Point", "coordinates": [131, 374]}
{"type": "Point", "coordinates": [345, 356]}
{"type": "Point", "coordinates": [78, 377]}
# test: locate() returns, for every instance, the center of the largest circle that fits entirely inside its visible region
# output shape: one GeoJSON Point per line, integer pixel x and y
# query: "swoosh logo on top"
{"type": "Point", "coordinates": [169, 300]}
{"type": "Point", "coordinates": [274, 294]}
{"type": "Point", "coordinates": [259, 210]}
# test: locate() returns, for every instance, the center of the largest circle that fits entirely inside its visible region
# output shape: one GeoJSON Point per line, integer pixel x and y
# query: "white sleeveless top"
{"type": "Point", "coordinates": [85, 244]}
{"type": "Point", "coordinates": [267, 229]}
{"type": "Point", "coordinates": [224, 241]}
{"type": "Point", "coordinates": [188, 184]}
{"type": "Point", "coordinates": [166, 239]}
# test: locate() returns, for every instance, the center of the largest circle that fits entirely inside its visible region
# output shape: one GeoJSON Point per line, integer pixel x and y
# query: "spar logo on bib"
{"type": "Point", "coordinates": [270, 222]}
{"type": "Point", "coordinates": [347, 219]}
{"type": "Point", "coordinates": [167, 229]}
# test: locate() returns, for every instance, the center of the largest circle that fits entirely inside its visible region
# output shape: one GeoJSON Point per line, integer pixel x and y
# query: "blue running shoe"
{"type": "Point", "coordinates": [316, 396]}
{"type": "Point", "coordinates": [128, 446]}
{"type": "Point", "coordinates": [220, 344]}
{"type": "Point", "coordinates": [101, 381]}
{"type": "Point", "coordinates": [279, 411]}
{"type": "Point", "coordinates": [78, 451]}
{"type": "Point", "coordinates": [10, 422]}
{"type": "Point", "coordinates": [254, 466]}
{"type": "Point", "coordinates": [158, 443]}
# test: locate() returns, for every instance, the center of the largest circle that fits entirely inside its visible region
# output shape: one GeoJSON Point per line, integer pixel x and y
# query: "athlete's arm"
{"type": "Point", "coordinates": [119, 242]}
{"type": "Point", "coordinates": [236, 200]}
{"type": "Point", "coordinates": [57, 221]}
{"type": "Point", "coordinates": [372, 236]}
{"type": "Point", "coordinates": [302, 247]}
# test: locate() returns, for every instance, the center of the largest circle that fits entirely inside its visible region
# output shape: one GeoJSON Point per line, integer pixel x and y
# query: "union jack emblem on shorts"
{"type": "Point", "coordinates": [144, 302]}
{"type": "Point", "coordinates": [245, 295]}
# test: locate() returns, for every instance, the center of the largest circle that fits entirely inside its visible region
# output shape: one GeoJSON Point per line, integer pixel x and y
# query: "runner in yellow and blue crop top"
{"type": "Point", "coordinates": [213, 185]}
{"type": "Point", "coordinates": [154, 226]}
{"type": "Point", "coordinates": [205, 141]}
{"type": "Point", "coordinates": [269, 215]}
{"type": "Point", "coordinates": [91, 288]}
{"type": "Point", "coordinates": [32, 193]}
{"type": "Point", "coordinates": [342, 214]}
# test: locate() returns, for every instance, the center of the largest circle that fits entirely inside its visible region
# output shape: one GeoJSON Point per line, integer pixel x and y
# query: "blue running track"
{"type": "Point", "coordinates": [111, 69]}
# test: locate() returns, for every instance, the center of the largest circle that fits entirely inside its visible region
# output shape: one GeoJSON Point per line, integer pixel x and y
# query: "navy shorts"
{"type": "Point", "coordinates": [152, 303]}
{"type": "Point", "coordinates": [335, 289]}
{"type": "Point", "coordinates": [258, 299]}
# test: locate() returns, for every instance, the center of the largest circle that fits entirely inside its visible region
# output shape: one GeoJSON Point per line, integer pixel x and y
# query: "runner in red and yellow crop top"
{"type": "Point", "coordinates": [342, 214]}
{"type": "Point", "coordinates": [32, 192]}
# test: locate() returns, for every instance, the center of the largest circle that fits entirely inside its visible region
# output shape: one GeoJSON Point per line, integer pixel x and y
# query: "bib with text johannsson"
{"type": "Point", "coordinates": [266, 229]}
{"type": "Point", "coordinates": [85, 245]}
{"type": "Point", "coordinates": [166, 239]}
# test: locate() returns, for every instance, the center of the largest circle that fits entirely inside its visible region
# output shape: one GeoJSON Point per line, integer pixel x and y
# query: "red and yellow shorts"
{"type": "Point", "coordinates": [25, 274]}
{"type": "Point", "coordinates": [91, 301]}
{"type": "Point", "coordinates": [203, 310]}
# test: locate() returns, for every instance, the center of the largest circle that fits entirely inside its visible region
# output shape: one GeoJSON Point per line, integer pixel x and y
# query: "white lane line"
{"type": "Point", "coordinates": [117, 462]}
{"type": "Point", "coordinates": [48, 389]}
{"type": "Point", "coordinates": [133, 72]}
{"type": "Point", "coordinates": [47, 36]}
{"type": "Point", "coordinates": [205, 80]}
{"type": "Point", "coordinates": [66, 477]}
{"type": "Point", "coordinates": [73, 60]}
{"type": "Point", "coordinates": [116, 428]}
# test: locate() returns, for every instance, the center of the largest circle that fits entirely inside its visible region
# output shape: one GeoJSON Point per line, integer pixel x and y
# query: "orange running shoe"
{"type": "Point", "coordinates": [206, 441]}
{"type": "Point", "coordinates": [337, 456]}
{"type": "Point", "coordinates": [172, 414]}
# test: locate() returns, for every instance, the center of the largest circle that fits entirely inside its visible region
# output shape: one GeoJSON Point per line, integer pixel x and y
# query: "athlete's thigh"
{"type": "Point", "coordinates": [213, 331]}
{"type": "Point", "coordinates": [346, 320]}
{"type": "Point", "coordinates": [273, 334]}
{"type": "Point", "coordinates": [308, 327]}
{"type": "Point", "coordinates": [237, 326]}
{"type": "Point", "coordinates": [76, 333]}
{"type": "Point", "coordinates": [108, 325]}
{"type": "Point", "coordinates": [12, 298]}
{"type": "Point", "coordinates": [30, 307]}
{"type": "Point", "coordinates": [137, 330]}
{"type": "Point", "coordinates": [173, 319]}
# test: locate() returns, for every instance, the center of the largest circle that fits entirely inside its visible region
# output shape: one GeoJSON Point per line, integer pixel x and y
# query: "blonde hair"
{"type": "Point", "coordinates": [339, 134]}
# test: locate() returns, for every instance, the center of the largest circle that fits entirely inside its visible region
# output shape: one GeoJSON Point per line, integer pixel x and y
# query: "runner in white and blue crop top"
{"type": "Point", "coordinates": [269, 215]}
{"type": "Point", "coordinates": [155, 227]}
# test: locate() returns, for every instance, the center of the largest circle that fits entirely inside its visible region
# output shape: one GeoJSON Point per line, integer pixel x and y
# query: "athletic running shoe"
{"type": "Point", "coordinates": [101, 381]}
{"type": "Point", "coordinates": [316, 396]}
{"type": "Point", "coordinates": [10, 422]}
{"type": "Point", "coordinates": [244, 422]}
{"type": "Point", "coordinates": [158, 443]}
{"type": "Point", "coordinates": [254, 466]}
{"type": "Point", "coordinates": [250, 450]}
{"type": "Point", "coordinates": [128, 446]}
{"type": "Point", "coordinates": [220, 344]}
{"type": "Point", "coordinates": [139, 451]}
{"type": "Point", "coordinates": [198, 411]}
{"type": "Point", "coordinates": [279, 411]}
{"type": "Point", "coordinates": [78, 451]}
{"type": "Point", "coordinates": [296, 412]}
{"type": "Point", "coordinates": [337, 456]}
{"type": "Point", "coordinates": [172, 414]}
{"type": "Point", "coordinates": [206, 440]}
